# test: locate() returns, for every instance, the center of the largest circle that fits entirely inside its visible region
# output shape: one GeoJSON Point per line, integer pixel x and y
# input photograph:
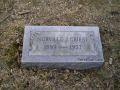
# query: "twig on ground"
{"type": "Point", "coordinates": [24, 12]}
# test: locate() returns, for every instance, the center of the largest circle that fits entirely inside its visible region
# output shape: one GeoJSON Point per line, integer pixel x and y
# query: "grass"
{"type": "Point", "coordinates": [54, 12]}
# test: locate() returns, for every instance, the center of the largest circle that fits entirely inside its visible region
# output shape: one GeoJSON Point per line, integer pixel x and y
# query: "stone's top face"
{"type": "Point", "coordinates": [54, 43]}
{"type": "Point", "coordinates": [62, 44]}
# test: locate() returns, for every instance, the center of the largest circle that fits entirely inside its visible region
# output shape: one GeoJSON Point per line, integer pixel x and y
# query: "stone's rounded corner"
{"type": "Point", "coordinates": [27, 28]}
{"type": "Point", "coordinates": [22, 61]}
{"type": "Point", "coordinates": [97, 27]}
{"type": "Point", "coordinates": [102, 62]}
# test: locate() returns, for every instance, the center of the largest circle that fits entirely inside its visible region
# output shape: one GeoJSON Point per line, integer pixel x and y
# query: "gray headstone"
{"type": "Point", "coordinates": [73, 47]}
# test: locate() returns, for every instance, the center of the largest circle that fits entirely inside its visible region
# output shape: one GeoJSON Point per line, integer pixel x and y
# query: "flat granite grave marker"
{"type": "Point", "coordinates": [73, 47]}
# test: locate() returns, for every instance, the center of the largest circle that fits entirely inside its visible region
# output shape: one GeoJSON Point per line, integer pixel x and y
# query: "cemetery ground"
{"type": "Point", "coordinates": [15, 14]}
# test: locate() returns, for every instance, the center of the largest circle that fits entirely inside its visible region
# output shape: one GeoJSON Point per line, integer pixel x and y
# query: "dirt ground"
{"type": "Point", "coordinates": [15, 14]}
